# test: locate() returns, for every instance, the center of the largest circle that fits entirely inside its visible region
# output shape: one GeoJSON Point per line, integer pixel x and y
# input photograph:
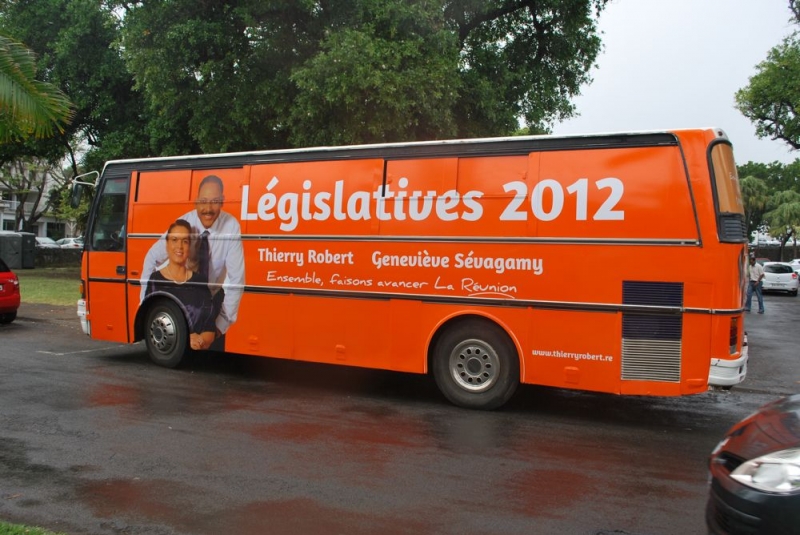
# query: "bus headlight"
{"type": "Point", "coordinates": [775, 472]}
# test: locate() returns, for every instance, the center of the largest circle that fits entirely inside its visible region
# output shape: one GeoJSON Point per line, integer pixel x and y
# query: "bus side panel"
{"type": "Point", "coordinates": [636, 193]}
{"type": "Point", "coordinates": [355, 332]}
{"type": "Point", "coordinates": [341, 331]}
{"type": "Point", "coordinates": [572, 349]}
{"type": "Point", "coordinates": [106, 296]}
{"type": "Point", "coordinates": [264, 327]}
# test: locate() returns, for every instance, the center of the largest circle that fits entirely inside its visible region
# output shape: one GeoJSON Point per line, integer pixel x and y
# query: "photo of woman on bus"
{"type": "Point", "coordinates": [176, 277]}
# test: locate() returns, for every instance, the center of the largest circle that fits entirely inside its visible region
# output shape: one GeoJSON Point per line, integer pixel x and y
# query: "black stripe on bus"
{"type": "Point", "coordinates": [479, 301]}
{"type": "Point", "coordinates": [105, 279]}
{"type": "Point", "coordinates": [451, 239]}
{"type": "Point", "coordinates": [443, 149]}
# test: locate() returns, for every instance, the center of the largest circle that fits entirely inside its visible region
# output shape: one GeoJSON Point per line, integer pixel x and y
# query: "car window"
{"type": "Point", "coordinates": [778, 269]}
{"type": "Point", "coordinates": [3, 266]}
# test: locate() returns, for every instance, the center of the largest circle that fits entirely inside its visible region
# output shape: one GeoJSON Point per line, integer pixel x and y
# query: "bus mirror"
{"type": "Point", "coordinates": [77, 188]}
{"type": "Point", "coordinates": [77, 193]}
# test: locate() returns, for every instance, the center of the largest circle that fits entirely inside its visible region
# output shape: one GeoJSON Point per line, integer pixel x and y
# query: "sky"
{"type": "Point", "coordinates": [678, 64]}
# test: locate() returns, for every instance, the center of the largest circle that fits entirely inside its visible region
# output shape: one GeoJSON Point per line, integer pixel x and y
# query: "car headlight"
{"type": "Point", "coordinates": [775, 472]}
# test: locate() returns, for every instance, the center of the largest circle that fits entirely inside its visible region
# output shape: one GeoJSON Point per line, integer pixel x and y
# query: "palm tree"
{"type": "Point", "coordinates": [785, 215]}
{"type": "Point", "coordinates": [28, 107]}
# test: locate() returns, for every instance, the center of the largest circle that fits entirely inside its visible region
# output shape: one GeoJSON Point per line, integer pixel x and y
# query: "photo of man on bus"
{"type": "Point", "coordinates": [172, 278]}
{"type": "Point", "coordinates": [217, 252]}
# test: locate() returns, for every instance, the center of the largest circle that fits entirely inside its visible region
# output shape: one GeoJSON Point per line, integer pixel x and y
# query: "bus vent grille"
{"type": "Point", "coordinates": [652, 293]}
{"type": "Point", "coordinates": [651, 327]}
{"type": "Point", "coordinates": [651, 343]}
{"type": "Point", "coordinates": [732, 228]}
{"type": "Point", "coordinates": [651, 360]}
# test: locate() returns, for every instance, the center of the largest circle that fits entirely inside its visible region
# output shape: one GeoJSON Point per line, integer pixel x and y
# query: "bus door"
{"type": "Point", "coordinates": [104, 253]}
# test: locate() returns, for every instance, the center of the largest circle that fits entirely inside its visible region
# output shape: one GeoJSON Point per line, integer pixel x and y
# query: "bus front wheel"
{"type": "Point", "coordinates": [166, 334]}
{"type": "Point", "coordinates": [476, 365]}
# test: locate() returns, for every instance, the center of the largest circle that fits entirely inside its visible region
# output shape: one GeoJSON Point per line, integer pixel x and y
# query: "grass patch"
{"type": "Point", "coordinates": [18, 529]}
{"type": "Point", "coordinates": [50, 286]}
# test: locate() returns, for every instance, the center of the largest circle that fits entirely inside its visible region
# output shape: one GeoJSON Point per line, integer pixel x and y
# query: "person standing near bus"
{"type": "Point", "coordinates": [219, 255]}
{"type": "Point", "coordinates": [755, 274]}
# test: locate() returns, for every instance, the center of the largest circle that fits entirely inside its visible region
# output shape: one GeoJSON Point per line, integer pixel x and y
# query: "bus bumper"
{"type": "Point", "coordinates": [727, 373]}
{"type": "Point", "coordinates": [82, 317]}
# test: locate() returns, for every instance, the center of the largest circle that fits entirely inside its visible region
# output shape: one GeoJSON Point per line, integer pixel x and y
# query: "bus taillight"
{"type": "Point", "coordinates": [734, 338]}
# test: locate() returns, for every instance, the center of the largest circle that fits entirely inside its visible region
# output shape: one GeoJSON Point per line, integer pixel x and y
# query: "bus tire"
{"type": "Point", "coordinates": [476, 365]}
{"type": "Point", "coordinates": [166, 334]}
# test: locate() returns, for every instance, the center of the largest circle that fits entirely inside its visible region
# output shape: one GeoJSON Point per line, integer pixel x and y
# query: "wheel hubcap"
{"type": "Point", "coordinates": [474, 365]}
{"type": "Point", "coordinates": [162, 333]}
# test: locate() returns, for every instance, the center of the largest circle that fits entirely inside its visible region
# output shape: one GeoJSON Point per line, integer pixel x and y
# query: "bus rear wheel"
{"type": "Point", "coordinates": [166, 334]}
{"type": "Point", "coordinates": [476, 365]}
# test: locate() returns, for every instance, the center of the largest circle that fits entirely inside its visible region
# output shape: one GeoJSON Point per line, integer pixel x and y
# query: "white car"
{"type": "Point", "coordinates": [70, 243]}
{"type": "Point", "coordinates": [780, 277]}
{"type": "Point", "coordinates": [43, 242]}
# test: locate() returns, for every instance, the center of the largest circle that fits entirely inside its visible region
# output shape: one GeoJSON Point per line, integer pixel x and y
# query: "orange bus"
{"type": "Point", "coordinates": [609, 263]}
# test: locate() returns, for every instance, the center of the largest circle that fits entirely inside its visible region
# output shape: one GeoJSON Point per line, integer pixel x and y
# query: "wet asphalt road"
{"type": "Point", "coordinates": [95, 439]}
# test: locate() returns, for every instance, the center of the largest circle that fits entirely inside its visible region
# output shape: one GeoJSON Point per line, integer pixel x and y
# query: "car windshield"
{"type": "Point", "coordinates": [3, 266]}
{"type": "Point", "coordinates": [777, 268]}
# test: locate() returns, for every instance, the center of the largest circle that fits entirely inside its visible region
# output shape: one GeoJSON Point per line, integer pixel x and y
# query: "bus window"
{"type": "Point", "coordinates": [108, 232]}
{"type": "Point", "coordinates": [730, 208]}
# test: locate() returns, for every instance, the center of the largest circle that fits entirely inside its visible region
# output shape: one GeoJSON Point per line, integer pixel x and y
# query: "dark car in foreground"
{"type": "Point", "coordinates": [9, 294]}
{"type": "Point", "coordinates": [755, 474]}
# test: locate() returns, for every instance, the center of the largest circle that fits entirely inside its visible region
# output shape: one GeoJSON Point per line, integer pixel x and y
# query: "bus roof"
{"type": "Point", "coordinates": [435, 148]}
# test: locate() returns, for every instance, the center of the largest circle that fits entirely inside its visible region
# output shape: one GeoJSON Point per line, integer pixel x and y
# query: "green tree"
{"type": "Point", "coordinates": [776, 175]}
{"type": "Point", "coordinates": [784, 215]}
{"type": "Point", "coordinates": [77, 51]}
{"type": "Point", "coordinates": [31, 180]}
{"type": "Point", "coordinates": [755, 196]}
{"type": "Point", "coordinates": [771, 100]}
{"type": "Point", "coordinates": [28, 107]}
{"type": "Point", "coordinates": [248, 74]}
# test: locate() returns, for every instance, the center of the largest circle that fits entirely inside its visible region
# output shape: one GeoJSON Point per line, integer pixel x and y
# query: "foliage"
{"type": "Point", "coordinates": [222, 76]}
{"type": "Point", "coordinates": [77, 54]}
{"type": "Point", "coordinates": [18, 529]}
{"type": "Point", "coordinates": [777, 175]}
{"type": "Point", "coordinates": [755, 195]}
{"type": "Point", "coordinates": [178, 76]}
{"type": "Point", "coordinates": [771, 195]}
{"type": "Point", "coordinates": [784, 211]}
{"type": "Point", "coordinates": [772, 98]}
{"type": "Point", "coordinates": [31, 180]}
{"type": "Point", "coordinates": [28, 107]}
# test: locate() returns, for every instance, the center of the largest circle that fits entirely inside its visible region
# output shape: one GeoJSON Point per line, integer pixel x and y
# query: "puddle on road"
{"type": "Point", "coordinates": [138, 501]}
{"type": "Point", "coordinates": [158, 502]}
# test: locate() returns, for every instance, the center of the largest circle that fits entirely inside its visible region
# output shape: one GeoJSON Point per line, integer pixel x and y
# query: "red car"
{"type": "Point", "coordinates": [9, 294]}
